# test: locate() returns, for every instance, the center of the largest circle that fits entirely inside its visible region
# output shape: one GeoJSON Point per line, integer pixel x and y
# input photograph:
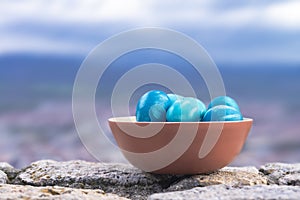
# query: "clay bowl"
{"type": "Point", "coordinates": [179, 147]}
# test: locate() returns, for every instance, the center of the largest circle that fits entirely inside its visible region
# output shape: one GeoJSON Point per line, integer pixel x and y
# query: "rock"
{"type": "Point", "coordinates": [3, 177]}
{"type": "Point", "coordinates": [120, 179]}
{"type": "Point", "coordinates": [228, 193]}
{"type": "Point", "coordinates": [4, 165]}
{"type": "Point", "coordinates": [9, 170]}
{"type": "Point", "coordinates": [47, 179]}
{"type": "Point", "coordinates": [282, 174]}
{"type": "Point", "coordinates": [231, 176]}
{"type": "Point", "coordinates": [52, 192]}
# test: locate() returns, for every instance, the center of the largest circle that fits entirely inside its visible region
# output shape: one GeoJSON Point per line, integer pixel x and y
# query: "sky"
{"type": "Point", "coordinates": [263, 32]}
{"type": "Point", "coordinates": [244, 31]}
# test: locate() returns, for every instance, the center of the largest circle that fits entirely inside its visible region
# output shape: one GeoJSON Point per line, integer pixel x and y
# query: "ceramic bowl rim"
{"type": "Point", "coordinates": [132, 119]}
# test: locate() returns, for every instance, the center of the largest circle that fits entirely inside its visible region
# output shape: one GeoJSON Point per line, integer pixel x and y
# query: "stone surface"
{"type": "Point", "coordinates": [52, 192]}
{"type": "Point", "coordinates": [47, 179]}
{"type": "Point", "coordinates": [3, 177]}
{"type": "Point", "coordinates": [282, 174]}
{"type": "Point", "coordinates": [223, 192]}
{"type": "Point", "coordinates": [231, 176]}
{"type": "Point", "coordinates": [120, 179]}
{"type": "Point", "coordinates": [9, 170]}
{"type": "Point", "coordinates": [4, 166]}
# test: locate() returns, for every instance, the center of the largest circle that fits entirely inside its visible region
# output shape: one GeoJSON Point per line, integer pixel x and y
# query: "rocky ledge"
{"type": "Point", "coordinates": [47, 179]}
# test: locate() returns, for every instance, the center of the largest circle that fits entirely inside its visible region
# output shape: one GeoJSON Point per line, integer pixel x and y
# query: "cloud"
{"type": "Point", "coordinates": [282, 14]}
{"type": "Point", "coordinates": [70, 11]}
{"type": "Point", "coordinates": [276, 14]}
{"type": "Point", "coordinates": [33, 44]}
{"type": "Point", "coordinates": [76, 26]}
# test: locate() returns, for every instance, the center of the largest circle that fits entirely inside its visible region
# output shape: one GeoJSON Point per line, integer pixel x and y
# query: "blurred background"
{"type": "Point", "coordinates": [255, 44]}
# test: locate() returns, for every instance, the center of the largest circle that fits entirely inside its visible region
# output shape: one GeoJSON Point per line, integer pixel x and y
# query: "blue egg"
{"type": "Point", "coordinates": [200, 104]}
{"type": "Point", "coordinates": [157, 113]}
{"type": "Point", "coordinates": [222, 113]}
{"type": "Point", "coordinates": [186, 110]}
{"type": "Point", "coordinates": [174, 97]}
{"type": "Point", "coordinates": [223, 100]}
{"type": "Point", "coordinates": [152, 107]}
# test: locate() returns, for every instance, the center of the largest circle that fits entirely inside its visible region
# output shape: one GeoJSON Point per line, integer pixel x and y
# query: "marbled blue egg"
{"type": "Point", "coordinates": [152, 107]}
{"type": "Point", "coordinates": [222, 113]}
{"type": "Point", "coordinates": [223, 100]}
{"type": "Point", "coordinates": [174, 97]}
{"type": "Point", "coordinates": [186, 110]}
{"type": "Point", "coordinates": [201, 105]}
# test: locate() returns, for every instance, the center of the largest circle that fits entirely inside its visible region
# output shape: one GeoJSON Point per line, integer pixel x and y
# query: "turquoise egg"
{"type": "Point", "coordinates": [222, 113]}
{"type": "Point", "coordinates": [223, 100]}
{"type": "Point", "coordinates": [152, 107]}
{"type": "Point", "coordinates": [174, 97]}
{"type": "Point", "coordinates": [186, 110]}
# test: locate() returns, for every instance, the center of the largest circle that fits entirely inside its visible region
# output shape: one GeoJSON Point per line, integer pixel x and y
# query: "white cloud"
{"type": "Point", "coordinates": [284, 14]}
{"type": "Point", "coordinates": [280, 15]}
{"type": "Point", "coordinates": [71, 11]}
{"type": "Point", "coordinates": [150, 12]}
{"type": "Point", "coordinates": [15, 43]}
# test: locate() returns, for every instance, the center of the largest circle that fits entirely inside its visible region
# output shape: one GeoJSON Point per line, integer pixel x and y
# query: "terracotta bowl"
{"type": "Point", "coordinates": [179, 147]}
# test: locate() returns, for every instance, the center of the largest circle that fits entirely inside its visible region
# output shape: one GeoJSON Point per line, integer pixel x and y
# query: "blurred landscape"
{"type": "Point", "coordinates": [256, 51]}
{"type": "Point", "coordinates": [36, 119]}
